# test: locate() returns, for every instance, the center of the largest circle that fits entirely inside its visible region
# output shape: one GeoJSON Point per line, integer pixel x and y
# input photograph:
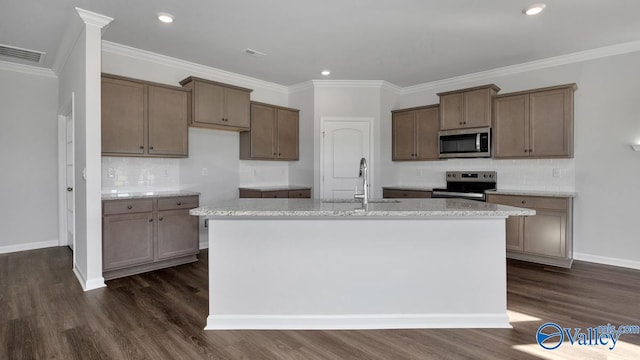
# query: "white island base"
{"type": "Point", "coordinates": [357, 273]}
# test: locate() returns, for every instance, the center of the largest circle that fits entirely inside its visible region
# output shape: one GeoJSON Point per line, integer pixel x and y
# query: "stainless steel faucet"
{"type": "Point", "coordinates": [364, 195]}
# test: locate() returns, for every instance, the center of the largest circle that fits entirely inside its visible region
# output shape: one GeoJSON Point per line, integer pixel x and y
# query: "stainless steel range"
{"type": "Point", "coordinates": [467, 185]}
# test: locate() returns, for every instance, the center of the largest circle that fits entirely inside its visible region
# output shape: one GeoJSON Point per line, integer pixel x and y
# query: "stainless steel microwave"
{"type": "Point", "coordinates": [465, 143]}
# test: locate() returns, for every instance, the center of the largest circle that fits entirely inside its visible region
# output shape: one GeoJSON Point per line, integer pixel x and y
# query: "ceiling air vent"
{"type": "Point", "coordinates": [254, 53]}
{"type": "Point", "coordinates": [13, 53]}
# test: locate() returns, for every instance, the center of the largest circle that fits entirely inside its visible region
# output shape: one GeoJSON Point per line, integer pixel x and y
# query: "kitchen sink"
{"type": "Point", "coordinates": [357, 201]}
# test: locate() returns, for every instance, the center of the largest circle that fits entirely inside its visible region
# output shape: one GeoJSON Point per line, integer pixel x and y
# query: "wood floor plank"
{"type": "Point", "coordinates": [44, 314]}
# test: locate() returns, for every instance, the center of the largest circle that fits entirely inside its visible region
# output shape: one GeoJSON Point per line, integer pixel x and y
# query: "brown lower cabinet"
{"type": "Point", "coordinates": [140, 235]}
{"type": "Point", "coordinates": [389, 193]}
{"type": "Point", "coordinates": [544, 238]}
{"type": "Point", "coordinates": [303, 193]}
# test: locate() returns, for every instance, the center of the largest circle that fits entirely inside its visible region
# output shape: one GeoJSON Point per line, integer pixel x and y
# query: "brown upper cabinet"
{"type": "Point", "coordinates": [415, 133]}
{"type": "Point", "coordinates": [274, 133]}
{"type": "Point", "coordinates": [534, 124]}
{"type": "Point", "coordinates": [466, 108]}
{"type": "Point", "coordinates": [141, 118]}
{"type": "Point", "coordinates": [217, 105]}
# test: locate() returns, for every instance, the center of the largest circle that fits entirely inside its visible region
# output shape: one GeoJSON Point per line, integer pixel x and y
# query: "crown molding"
{"type": "Point", "coordinates": [303, 86]}
{"type": "Point", "coordinates": [192, 68]}
{"type": "Point", "coordinates": [94, 19]}
{"type": "Point", "coordinates": [377, 84]}
{"type": "Point", "coordinates": [27, 69]}
{"type": "Point", "coordinates": [577, 57]}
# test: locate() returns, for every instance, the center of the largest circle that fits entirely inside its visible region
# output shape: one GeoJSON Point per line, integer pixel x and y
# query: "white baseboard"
{"type": "Point", "coordinates": [28, 246]}
{"type": "Point", "coordinates": [356, 322]}
{"type": "Point", "coordinates": [204, 245]}
{"type": "Point", "coordinates": [90, 284]}
{"type": "Point", "coordinates": [607, 260]}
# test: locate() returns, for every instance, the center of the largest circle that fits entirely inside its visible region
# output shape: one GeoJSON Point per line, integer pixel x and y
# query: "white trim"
{"type": "Point", "coordinates": [28, 246]}
{"type": "Point", "coordinates": [219, 75]}
{"type": "Point", "coordinates": [94, 19]}
{"type": "Point", "coordinates": [90, 284]}
{"type": "Point", "coordinates": [27, 69]}
{"type": "Point", "coordinates": [303, 86]}
{"type": "Point", "coordinates": [343, 322]}
{"type": "Point", "coordinates": [204, 245]}
{"type": "Point", "coordinates": [632, 264]}
{"type": "Point", "coordinates": [581, 56]}
{"type": "Point", "coordinates": [349, 83]}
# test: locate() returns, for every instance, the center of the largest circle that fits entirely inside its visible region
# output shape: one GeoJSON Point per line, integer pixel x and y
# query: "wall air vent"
{"type": "Point", "coordinates": [16, 53]}
{"type": "Point", "coordinates": [254, 53]}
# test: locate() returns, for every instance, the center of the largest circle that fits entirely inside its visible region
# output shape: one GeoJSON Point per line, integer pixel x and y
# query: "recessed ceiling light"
{"type": "Point", "coordinates": [165, 17]}
{"type": "Point", "coordinates": [325, 72]}
{"type": "Point", "coordinates": [534, 9]}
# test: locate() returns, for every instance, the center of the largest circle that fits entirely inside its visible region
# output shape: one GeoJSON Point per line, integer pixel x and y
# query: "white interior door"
{"type": "Point", "coordinates": [344, 143]}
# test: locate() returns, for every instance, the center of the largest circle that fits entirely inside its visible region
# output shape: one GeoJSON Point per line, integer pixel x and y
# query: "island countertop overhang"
{"type": "Point", "coordinates": [314, 208]}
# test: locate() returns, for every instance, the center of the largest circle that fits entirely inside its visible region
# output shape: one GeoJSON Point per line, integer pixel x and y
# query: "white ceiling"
{"type": "Point", "coordinates": [405, 42]}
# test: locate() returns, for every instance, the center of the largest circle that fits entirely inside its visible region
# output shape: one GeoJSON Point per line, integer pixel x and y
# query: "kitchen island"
{"type": "Point", "coordinates": [310, 264]}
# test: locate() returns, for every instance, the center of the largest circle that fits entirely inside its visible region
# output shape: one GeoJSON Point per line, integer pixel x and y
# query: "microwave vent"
{"type": "Point", "coordinates": [13, 53]}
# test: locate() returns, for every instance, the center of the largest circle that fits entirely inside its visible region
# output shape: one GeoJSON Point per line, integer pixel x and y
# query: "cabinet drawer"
{"type": "Point", "coordinates": [407, 194]}
{"type": "Point", "coordinates": [535, 202]}
{"type": "Point", "coordinates": [302, 193]}
{"type": "Point", "coordinates": [175, 203]}
{"type": "Point", "coordinates": [129, 206]}
{"type": "Point", "coordinates": [275, 194]}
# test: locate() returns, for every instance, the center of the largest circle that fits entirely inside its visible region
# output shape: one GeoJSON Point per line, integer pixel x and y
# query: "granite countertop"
{"type": "Point", "coordinates": [562, 194]}
{"type": "Point", "coordinates": [147, 194]}
{"type": "Point", "coordinates": [275, 187]}
{"type": "Point", "coordinates": [341, 208]}
{"type": "Point", "coordinates": [409, 187]}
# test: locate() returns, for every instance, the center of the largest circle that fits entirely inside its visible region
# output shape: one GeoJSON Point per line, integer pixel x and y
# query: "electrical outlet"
{"type": "Point", "coordinates": [205, 171]}
{"type": "Point", "coordinates": [206, 223]}
{"type": "Point", "coordinates": [557, 172]}
{"type": "Point", "coordinates": [110, 172]}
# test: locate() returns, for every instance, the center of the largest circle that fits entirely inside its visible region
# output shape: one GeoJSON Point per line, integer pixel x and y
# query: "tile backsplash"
{"type": "Point", "coordinates": [124, 174]}
{"type": "Point", "coordinates": [534, 174]}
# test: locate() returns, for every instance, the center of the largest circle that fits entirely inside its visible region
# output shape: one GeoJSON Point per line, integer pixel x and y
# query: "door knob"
{"type": "Point", "coordinates": [69, 189]}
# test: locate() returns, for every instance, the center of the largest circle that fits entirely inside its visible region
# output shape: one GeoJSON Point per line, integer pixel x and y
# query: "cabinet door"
{"type": "Point", "coordinates": [127, 240]}
{"type": "Point", "coordinates": [551, 123]}
{"type": "Point", "coordinates": [403, 135]}
{"type": "Point", "coordinates": [451, 111]}
{"type": "Point", "coordinates": [123, 117]}
{"type": "Point", "coordinates": [545, 233]}
{"type": "Point", "coordinates": [427, 127]}
{"type": "Point", "coordinates": [510, 127]}
{"type": "Point", "coordinates": [288, 134]}
{"type": "Point", "coordinates": [208, 100]}
{"type": "Point", "coordinates": [406, 194]}
{"type": "Point", "coordinates": [277, 194]}
{"type": "Point", "coordinates": [177, 234]}
{"type": "Point", "coordinates": [515, 233]}
{"type": "Point", "coordinates": [477, 108]}
{"type": "Point", "coordinates": [263, 121]}
{"type": "Point", "coordinates": [168, 116]}
{"type": "Point", "coordinates": [236, 108]}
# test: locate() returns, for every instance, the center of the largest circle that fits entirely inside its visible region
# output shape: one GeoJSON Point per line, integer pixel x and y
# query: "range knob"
{"type": "Point", "coordinates": [485, 176]}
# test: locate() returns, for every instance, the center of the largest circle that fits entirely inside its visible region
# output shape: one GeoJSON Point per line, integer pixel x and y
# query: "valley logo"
{"type": "Point", "coordinates": [550, 335]}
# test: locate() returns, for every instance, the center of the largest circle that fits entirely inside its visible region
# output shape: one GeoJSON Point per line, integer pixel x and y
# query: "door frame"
{"type": "Point", "coordinates": [65, 111]}
{"type": "Point", "coordinates": [370, 160]}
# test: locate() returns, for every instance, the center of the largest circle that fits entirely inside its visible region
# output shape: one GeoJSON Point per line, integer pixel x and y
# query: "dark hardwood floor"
{"type": "Point", "coordinates": [44, 314]}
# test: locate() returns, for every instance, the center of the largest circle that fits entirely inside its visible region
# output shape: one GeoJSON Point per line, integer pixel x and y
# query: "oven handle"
{"type": "Point", "coordinates": [457, 194]}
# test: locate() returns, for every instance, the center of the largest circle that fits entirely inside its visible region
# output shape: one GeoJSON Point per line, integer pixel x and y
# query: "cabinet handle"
{"type": "Point", "coordinates": [129, 207]}
{"type": "Point", "coordinates": [279, 154]}
{"type": "Point", "coordinates": [524, 201]}
{"type": "Point", "coordinates": [464, 123]}
{"type": "Point", "coordinates": [150, 220]}
{"type": "Point", "coordinates": [150, 147]}
{"type": "Point", "coordinates": [274, 154]}
{"type": "Point", "coordinates": [179, 203]}
{"type": "Point", "coordinates": [160, 219]}
{"type": "Point", "coordinates": [460, 123]}
{"type": "Point", "coordinates": [141, 147]}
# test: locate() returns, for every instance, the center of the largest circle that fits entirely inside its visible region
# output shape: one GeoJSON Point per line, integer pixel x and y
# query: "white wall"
{"type": "Point", "coordinates": [604, 171]}
{"type": "Point", "coordinates": [28, 148]}
{"type": "Point", "coordinates": [302, 172]}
